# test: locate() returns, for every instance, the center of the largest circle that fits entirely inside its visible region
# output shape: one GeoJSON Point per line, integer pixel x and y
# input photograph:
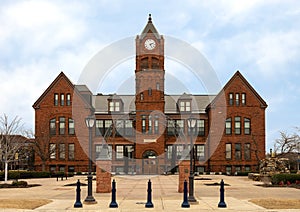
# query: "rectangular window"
{"type": "Point", "coordinates": [185, 106]}
{"type": "Point", "coordinates": [243, 99]}
{"type": "Point", "coordinates": [237, 99]}
{"type": "Point", "coordinates": [169, 151]}
{"type": "Point", "coordinates": [62, 151]}
{"type": "Point", "coordinates": [247, 168]}
{"type": "Point", "coordinates": [157, 86]}
{"type": "Point", "coordinates": [119, 152]}
{"type": "Point", "coordinates": [149, 92]}
{"type": "Point", "coordinates": [179, 126]}
{"type": "Point", "coordinates": [171, 127]}
{"type": "Point", "coordinates": [56, 99]}
{"type": "Point", "coordinates": [149, 125]}
{"type": "Point", "coordinates": [200, 152]}
{"type": "Point", "coordinates": [247, 150]}
{"type": "Point", "coordinates": [179, 151]}
{"type": "Point", "coordinates": [98, 149]}
{"type": "Point", "coordinates": [53, 126]}
{"type": "Point", "coordinates": [71, 151]}
{"type": "Point", "coordinates": [228, 151]}
{"type": "Point", "coordinates": [237, 125]}
{"type": "Point", "coordinates": [238, 154]}
{"type": "Point", "coordinates": [143, 124]}
{"type": "Point", "coordinates": [228, 126]}
{"type": "Point", "coordinates": [119, 125]}
{"type": "Point", "coordinates": [68, 99]}
{"type": "Point", "coordinates": [62, 125]}
{"type": "Point", "coordinates": [247, 126]}
{"type": "Point", "coordinates": [142, 96]}
{"type": "Point", "coordinates": [228, 170]}
{"type": "Point", "coordinates": [230, 99]}
{"type": "Point", "coordinates": [200, 127]}
{"type": "Point", "coordinates": [52, 151]}
{"type": "Point", "coordinates": [99, 127]}
{"type": "Point", "coordinates": [156, 129]}
{"type": "Point", "coordinates": [71, 127]}
{"type": "Point", "coordinates": [107, 127]}
{"type": "Point", "coordinates": [128, 151]}
{"type": "Point", "coordinates": [62, 99]}
{"type": "Point", "coordinates": [114, 106]}
{"type": "Point", "coordinates": [128, 128]}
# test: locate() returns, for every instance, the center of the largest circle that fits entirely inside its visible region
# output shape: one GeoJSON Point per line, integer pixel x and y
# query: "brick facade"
{"type": "Point", "coordinates": [147, 132]}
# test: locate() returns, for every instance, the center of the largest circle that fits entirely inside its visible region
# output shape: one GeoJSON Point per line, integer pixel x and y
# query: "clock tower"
{"type": "Point", "coordinates": [149, 99]}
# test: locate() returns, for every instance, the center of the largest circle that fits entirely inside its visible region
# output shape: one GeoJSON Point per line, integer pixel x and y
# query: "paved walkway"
{"type": "Point", "coordinates": [132, 194]}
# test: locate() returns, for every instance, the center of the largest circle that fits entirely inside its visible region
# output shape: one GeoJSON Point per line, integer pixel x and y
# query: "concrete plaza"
{"type": "Point", "coordinates": [132, 194]}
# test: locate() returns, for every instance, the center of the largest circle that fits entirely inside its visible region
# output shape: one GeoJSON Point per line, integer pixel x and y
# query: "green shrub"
{"type": "Point", "coordinates": [19, 183]}
{"type": "Point", "coordinates": [277, 178]}
{"type": "Point", "coordinates": [242, 173]}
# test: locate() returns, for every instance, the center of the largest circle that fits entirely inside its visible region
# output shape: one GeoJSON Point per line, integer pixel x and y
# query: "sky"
{"type": "Point", "coordinates": [41, 38]}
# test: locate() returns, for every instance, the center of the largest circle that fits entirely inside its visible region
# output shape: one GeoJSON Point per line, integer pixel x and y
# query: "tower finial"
{"type": "Point", "coordinates": [150, 19]}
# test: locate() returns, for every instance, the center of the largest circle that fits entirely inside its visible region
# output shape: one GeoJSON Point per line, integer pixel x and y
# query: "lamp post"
{"type": "Point", "coordinates": [90, 120]}
{"type": "Point", "coordinates": [191, 124]}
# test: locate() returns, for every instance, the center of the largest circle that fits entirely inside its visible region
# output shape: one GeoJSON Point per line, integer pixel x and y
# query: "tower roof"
{"type": "Point", "coordinates": [150, 28]}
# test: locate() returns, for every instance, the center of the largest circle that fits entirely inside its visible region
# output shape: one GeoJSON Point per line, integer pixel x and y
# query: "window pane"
{"type": "Point", "coordinates": [71, 151]}
{"type": "Point", "coordinates": [247, 125]}
{"type": "Point", "coordinates": [228, 126]}
{"type": "Point", "coordinates": [228, 151]}
{"type": "Point", "coordinates": [171, 127]}
{"type": "Point", "coordinates": [230, 101]}
{"type": "Point", "coordinates": [237, 99]}
{"type": "Point", "coordinates": [98, 149]}
{"type": "Point", "coordinates": [156, 129]}
{"type": "Point", "coordinates": [68, 99]}
{"type": "Point", "coordinates": [52, 151]}
{"type": "Point", "coordinates": [119, 152]}
{"type": "Point", "coordinates": [99, 127]}
{"type": "Point", "coordinates": [187, 106]}
{"type": "Point", "coordinates": [62, 125]}
{"type": "Point", "coordinates": [238, 155]}
{"type": "Point", "coordinates": [117, 106]}
{"type": "Point", "coordinates": [55, 99]}
{"type": "Point", "coordinates": [53, 126]}
{"type": "Point", "coordinates": [182, 106]}
{"type": "Point", "coordinates": [200, 127]}
{"type": "Point", "coordinates": [243, 99]}
{"type": "Point", "coordinates": [150, 125]}
{"type": "Point", "coordinates": [143, 124]}
{"type": "Point", "coordinates": [111, 106]}
{"type": "Point", "coordinates": [237, 125]}
{"type": "Point", "coordinates": [247, 151]}
{"type": "Point", "coordinates": [62, 99]}
{"type": "Point", "coordinates": [128, 128]}
{"type": "Point", "coordinates": [200, 152]}
{"type": "Point", "coordinates": [62, 153]}
{"type": "Point", "coordinates": [71, 127]}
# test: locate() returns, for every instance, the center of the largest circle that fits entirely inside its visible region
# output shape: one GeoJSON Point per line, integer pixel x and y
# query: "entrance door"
{"type": "Point", "coordinates": [150, 162]}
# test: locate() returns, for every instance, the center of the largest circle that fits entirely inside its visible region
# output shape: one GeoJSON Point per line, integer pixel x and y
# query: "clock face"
{"type": "Point", "coordinates": [150, 44]}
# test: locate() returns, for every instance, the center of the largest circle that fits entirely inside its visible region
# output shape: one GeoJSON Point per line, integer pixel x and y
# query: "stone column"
{"type": "Point", "coordinates": [103, 178]}
{"type": "Point", "coordinates": [184, 172]}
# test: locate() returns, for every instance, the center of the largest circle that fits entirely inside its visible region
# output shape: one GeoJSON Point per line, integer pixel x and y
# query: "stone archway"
{"type": "Point", "coordinates": [150, 162]}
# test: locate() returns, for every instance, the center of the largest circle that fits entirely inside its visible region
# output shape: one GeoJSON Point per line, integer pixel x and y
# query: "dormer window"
{"type": "Point", "coordinates": [114, 106]}
{"type": "Point", "coordinates": [185, 106]}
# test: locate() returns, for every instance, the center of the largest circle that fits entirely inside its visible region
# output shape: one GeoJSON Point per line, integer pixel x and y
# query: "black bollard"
{"type": "Point", "coordinates": [149, 203]}
{"type": "Point", "coordinates": [78, 203]}
{"type": "Point", "coordinates": [113, 203]}
{"type": "Point", "coordinates": [222, 203]}
{"type": "Point", "coordinates": [185, 203]}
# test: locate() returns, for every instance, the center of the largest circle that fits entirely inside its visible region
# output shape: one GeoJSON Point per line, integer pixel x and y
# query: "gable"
{"type": "Point", "coordinates": [238, 84]}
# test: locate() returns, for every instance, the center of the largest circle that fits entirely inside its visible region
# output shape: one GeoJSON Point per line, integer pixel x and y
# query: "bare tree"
{"type": "Point", "coordinates": [287, 143]}
{"type": "Point", "coordinates": [41, 146]}
{"type": "Point", "coordinates": [11, 140]}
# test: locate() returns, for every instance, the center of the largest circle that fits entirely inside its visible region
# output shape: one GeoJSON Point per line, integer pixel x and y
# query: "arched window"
{"type": "Point", "coordinates": [144, 63]}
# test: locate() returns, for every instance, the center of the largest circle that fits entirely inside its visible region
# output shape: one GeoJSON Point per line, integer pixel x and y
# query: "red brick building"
{"type": "Point", "coordinates": [147, 133]}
